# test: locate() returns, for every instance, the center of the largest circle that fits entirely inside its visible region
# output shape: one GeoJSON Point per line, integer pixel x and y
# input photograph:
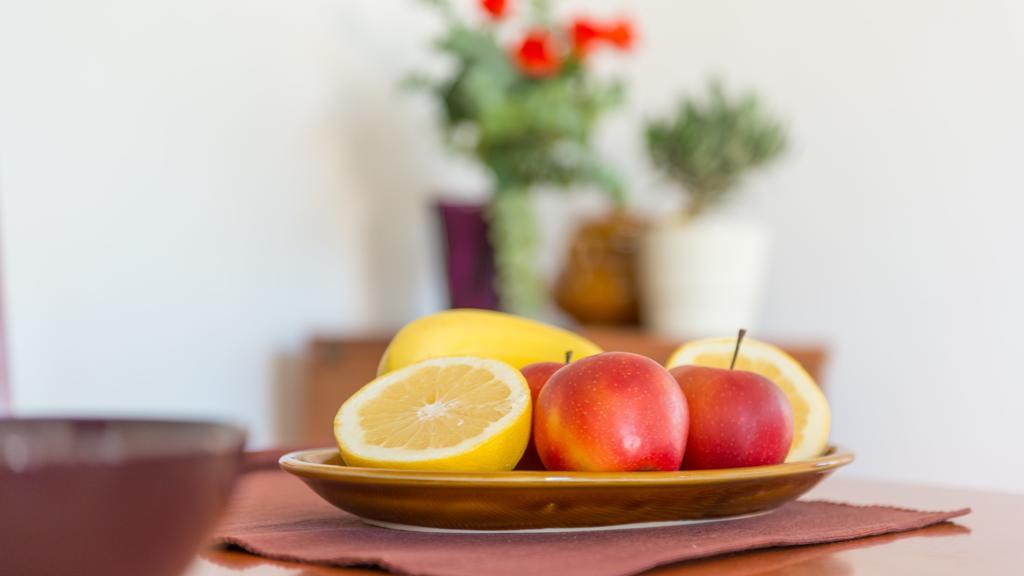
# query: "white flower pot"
{"type": "Point", "coordinates": [704, 277]}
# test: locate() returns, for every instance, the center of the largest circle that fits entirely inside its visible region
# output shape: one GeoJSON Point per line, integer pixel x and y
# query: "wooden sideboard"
{"type": "Point", "coordinates": [335, 367]}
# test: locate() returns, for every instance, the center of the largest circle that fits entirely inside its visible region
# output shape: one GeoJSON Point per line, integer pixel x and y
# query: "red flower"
{"type": "Point", "coordinates": [496, 9]}
{"type": "Point", "coordinates": [620, 34]}
{"type": "Point", "coordinates": [586, 34]}
{"type": "Point", "coordinates": [536, 55]}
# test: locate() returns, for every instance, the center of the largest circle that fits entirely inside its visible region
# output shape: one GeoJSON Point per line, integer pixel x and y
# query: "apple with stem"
{"type": "Point", "coordinates": [737, 418]}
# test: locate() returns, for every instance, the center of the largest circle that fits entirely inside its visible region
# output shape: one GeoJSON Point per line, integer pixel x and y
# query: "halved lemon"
{"type": "Point", "coordinates": [456, 414]}
{"type": "Point", "coordinates": [811, 414]}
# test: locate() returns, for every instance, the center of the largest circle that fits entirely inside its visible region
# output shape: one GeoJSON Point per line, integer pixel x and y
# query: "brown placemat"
{"type": "Point", "coordinates": [276, 516]}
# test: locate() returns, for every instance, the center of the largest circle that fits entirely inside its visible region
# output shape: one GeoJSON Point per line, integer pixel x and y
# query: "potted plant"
{"type": "Point", "coordinates": [522, 101]}
{"type": "Point", "coordinates": [703, 274]}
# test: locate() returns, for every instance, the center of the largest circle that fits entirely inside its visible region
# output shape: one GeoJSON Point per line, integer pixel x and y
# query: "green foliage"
{"type": "Point", "coordinates": [528, 131]}
{"type": "Point", "coordinates": [709, 145]}
{"type": "Point", "coordinates": [513, 235]}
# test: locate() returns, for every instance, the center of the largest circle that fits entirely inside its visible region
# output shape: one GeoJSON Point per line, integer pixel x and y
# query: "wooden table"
{"type": "Point", "coordinates": [987, 541]}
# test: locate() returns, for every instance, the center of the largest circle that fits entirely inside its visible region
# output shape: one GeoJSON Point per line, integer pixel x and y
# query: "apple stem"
{"type": "Point", "coordinates": [736, 352]}
{"type": "Point", "coordinates": [568, 356]}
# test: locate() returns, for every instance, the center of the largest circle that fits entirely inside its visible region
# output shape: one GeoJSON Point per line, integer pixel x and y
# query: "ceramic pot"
{"type": "Point", "coordinates": [703, 277]}
{"type": "Point", "coordinates": [598, 283]}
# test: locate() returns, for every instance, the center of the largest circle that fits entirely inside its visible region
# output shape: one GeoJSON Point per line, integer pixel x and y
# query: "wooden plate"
{"type": "Point", "coordinates": [518, 501]}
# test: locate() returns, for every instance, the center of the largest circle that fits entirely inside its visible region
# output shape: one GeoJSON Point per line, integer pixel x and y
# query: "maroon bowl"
{"type": "Point", "coordinates": [111, 497]}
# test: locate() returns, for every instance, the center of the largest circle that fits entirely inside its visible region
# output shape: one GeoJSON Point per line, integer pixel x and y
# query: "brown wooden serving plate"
{"type": "Point", "coordinates": [542, 500]}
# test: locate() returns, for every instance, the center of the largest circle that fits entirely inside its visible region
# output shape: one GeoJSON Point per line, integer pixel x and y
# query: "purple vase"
{"type": "Point", "coordinates": [468, 256]}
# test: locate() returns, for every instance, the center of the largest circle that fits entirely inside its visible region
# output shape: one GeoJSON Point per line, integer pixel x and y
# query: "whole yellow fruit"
{"type": "Point", "coordinates": [468, 332]}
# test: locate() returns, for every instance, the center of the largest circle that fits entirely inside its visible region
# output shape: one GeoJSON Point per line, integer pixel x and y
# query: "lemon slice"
{"type": "Point", "coordinates": [457, 414]}
{"type": "Point", "coordinates": [811, 414]}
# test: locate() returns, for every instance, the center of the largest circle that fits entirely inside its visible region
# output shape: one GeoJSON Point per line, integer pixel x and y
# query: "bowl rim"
{"type": "Point", "coordinates": [311, 464]}
{"type": "Point", "coordinates": [230, 438]}
{"type": "Point", "coordinates": [45, 419]}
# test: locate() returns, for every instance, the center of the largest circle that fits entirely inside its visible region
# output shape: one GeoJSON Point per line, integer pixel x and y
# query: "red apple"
{"type": "Point", "coordinates": [737, 418]}
{"type": "Point", "coordinates": [611, 412]}
{"type": "Point", "coordinates": [537, 375]}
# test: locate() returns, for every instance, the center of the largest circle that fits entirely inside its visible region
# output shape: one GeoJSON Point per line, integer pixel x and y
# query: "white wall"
{"type": "Point", "coordinates": [189, 188]}
{"type": "Point", "coordinates": [896, 216]}
{"type": "Point", "coordinates": [177, 204]}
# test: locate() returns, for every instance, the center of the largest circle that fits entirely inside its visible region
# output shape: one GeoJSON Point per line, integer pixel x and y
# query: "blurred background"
{"type": "Point", "coordinates": [191, 192]}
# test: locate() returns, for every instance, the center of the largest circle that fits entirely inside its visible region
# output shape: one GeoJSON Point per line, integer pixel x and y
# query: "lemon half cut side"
{"type": "Point", "coordinates": [462, 413]}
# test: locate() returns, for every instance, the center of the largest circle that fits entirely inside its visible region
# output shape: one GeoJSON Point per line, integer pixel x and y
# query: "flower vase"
{"type": "Point", "coordinates": [468, 255]}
